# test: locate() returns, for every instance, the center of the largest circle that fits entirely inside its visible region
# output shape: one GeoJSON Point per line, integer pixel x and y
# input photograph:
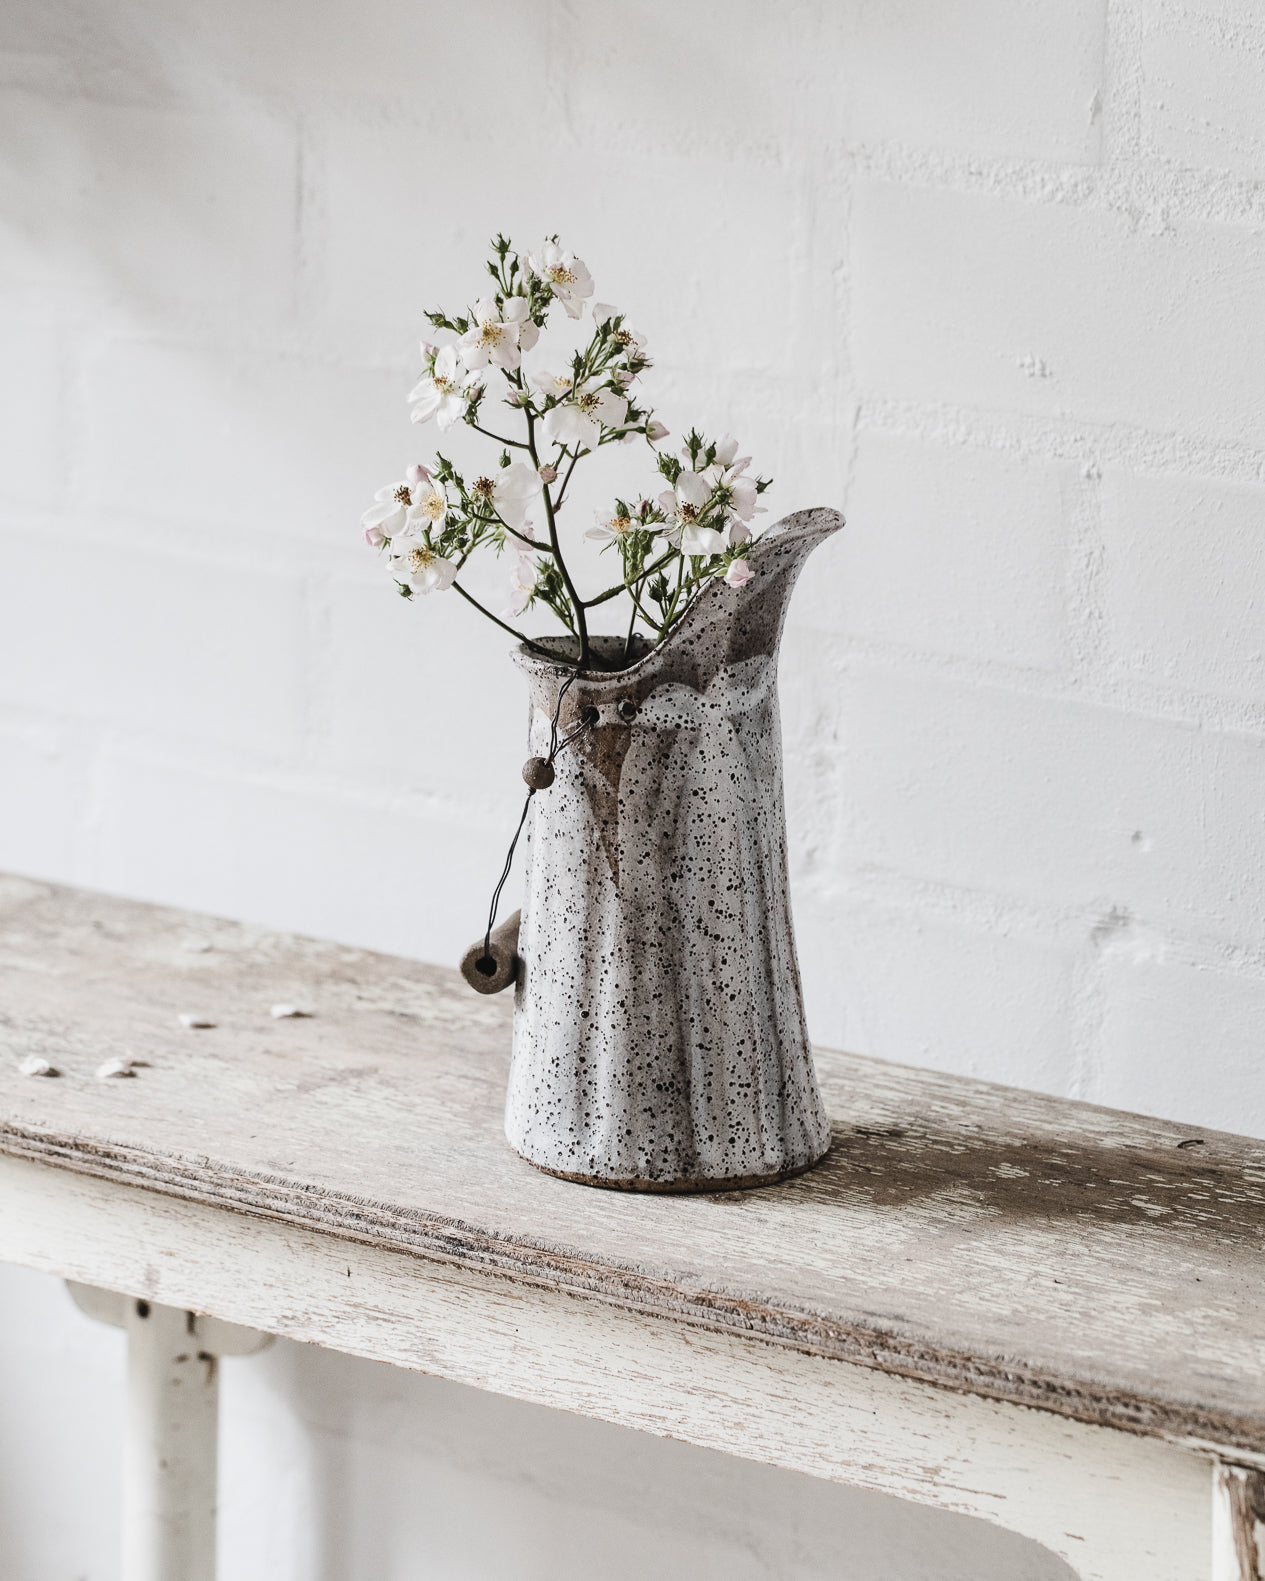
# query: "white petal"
{"type": "Point", "coordinates": [610, 408]}
{"type": "Point", "coordinates": [701, 540]}
{"type": "Point", "coordinates": [568, 425]}
{"type": "Point", "coordinates": [446, 362]}
{"type": "Point", "coordinates": [517, 481]}
{"type": "Point", "coordinates": [602, 311]}
{"type": "Point", "coordinates": [380, 515]}
{"type": "Point", "coordinates": [515, 310]}
{"type": "Point", "coordinates": [744, 497]}
{"type": "Point", "coordinates": [426, 408]}
{"type": "Point", "coordinates": [692, 489]}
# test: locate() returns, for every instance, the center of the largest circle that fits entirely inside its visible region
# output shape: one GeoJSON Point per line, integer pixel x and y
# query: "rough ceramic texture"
{"type": "Point", "coordinates": [659, 1035]}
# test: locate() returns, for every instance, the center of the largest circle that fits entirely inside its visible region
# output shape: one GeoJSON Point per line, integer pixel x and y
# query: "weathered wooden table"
{"type": "Point", "coordinates": [1034, 1311]}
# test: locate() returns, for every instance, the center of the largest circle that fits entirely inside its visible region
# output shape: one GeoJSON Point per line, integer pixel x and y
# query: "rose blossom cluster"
{"type": "Point", "coordinates": [429, 524]}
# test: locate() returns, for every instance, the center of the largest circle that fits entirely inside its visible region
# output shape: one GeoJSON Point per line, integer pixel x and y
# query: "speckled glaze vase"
{"type": "Point", "coordinates": [659, 1036]}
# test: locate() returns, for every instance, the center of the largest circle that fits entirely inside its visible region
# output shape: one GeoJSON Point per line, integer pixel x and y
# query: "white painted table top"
{"type": "Point", "coordinates": [1098, 1264]}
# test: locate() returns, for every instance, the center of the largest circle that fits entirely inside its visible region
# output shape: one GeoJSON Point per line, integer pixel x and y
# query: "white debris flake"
{"type": "Point", "coordinates": [115, 1067]}
{"type": "Point", "coordinates": [191, 1021]}
{"type": "Point", "coordinates": [33, 1065]}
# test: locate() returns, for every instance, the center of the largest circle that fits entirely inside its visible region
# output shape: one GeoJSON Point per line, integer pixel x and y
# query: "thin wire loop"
{"type": "Point", "coordinates": [588, 720]}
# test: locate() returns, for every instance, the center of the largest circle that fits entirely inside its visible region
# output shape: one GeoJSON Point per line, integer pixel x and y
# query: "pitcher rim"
{"type": "Point", "coordinates": [528, 658]}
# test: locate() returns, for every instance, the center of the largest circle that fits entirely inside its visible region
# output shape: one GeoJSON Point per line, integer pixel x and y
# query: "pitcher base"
{"type": "Point", "coordinates": [681, 1187]}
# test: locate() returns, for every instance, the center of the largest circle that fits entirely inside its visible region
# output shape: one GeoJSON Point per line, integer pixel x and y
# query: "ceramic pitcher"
{"type": "Point", "coordinates": [659, 1035]}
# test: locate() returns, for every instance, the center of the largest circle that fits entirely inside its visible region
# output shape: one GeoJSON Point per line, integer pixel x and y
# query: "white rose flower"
{"type": "Point", "coordinates": [741, 497]}
{"type": "Point", "coordinates": [684, 504]}
{"type": "Point", "coordinates": [442, 393]}
{"type": "Point", "coordinates": [626, 336]}
{"type": "Point", "coordinates": [528, 333]}
{"type": "Point", "coordinates": [388, 514]}
{"type": "Point", "coordinates": [564, 274]}
{"type": "Point", "coordinates": [580, 419]}
{"type": "Point", "coordinates": [555, 385]}
{"type": "Point", "coordinates": [509, 491]}
{"type": "Point", "coordinates": [495, 337]}
{"type": "Point", "coordinates": [430, 504]}
{"type": "Point", "coordinates": [415, 564]}
{"type": "Point", "coordinates": [522, 583]}
{"type": "Point", "coordinates": [610, 528]}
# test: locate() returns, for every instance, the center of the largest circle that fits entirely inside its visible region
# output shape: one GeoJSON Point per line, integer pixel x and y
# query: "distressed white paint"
{"type": "Point", "coordinates": [398, 1046]}
{"type": "Point", "coordinates": [1117, 1507]}
{"type": "Point", "coordinates": [171, 1431]}
{"type": "Point", "coordinates": [169, 1448]}
{"type": "Point", "coordinates": [214, 1336]}
{"type": "Point", "coordinates": [1018, 1246]}
{"type": "Point", "coordinates": [1238, 1522]}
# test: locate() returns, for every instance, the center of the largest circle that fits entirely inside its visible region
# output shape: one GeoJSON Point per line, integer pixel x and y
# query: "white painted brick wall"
{"type": "Point", "coordinates": [991, 276]}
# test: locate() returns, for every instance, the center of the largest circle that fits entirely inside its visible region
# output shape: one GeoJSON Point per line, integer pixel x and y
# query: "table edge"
{"type": "Point", "coordinates": [439, 1238]}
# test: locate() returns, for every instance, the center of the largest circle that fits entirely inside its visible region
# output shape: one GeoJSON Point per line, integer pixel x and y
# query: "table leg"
{"type": "Point", "coordinates": [1238, 1523]}
{"type": "Point", "coordinates": [171, 1431]}
{"type": "Point", "coordinates": [169, 1460]}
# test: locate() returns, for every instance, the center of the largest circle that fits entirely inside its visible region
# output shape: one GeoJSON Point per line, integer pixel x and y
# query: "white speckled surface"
{"type": "Point", "coordinates": [659, 1035]}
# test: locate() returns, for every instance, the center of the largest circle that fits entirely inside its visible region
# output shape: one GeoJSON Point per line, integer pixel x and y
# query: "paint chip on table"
{"type": "Point", "coordinates": [285, 1012]}
{"type": "Point", "coordinates": [115, 1067]}
{"type": "Point", "coordinates": [192, 1021]}
{"type": "Point", "coordinates": [34, 1065]}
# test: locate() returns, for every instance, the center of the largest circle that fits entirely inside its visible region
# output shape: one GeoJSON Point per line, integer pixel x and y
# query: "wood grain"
{"type": "Point", "coordinates": [1100, 1265]}
{"type": "Point", "coordinates": [1116, 1506]}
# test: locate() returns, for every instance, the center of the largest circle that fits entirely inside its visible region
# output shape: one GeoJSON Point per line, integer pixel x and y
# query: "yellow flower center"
{"type": "Point", "coordinates": [490, 334]}
{"type": "Point", "coordinates": [484, 487]}
{"type": "Point", "coordinates": [403, 496]}
{"type": "Point", "coordinates": [620, 525]}
{"type": "Point", "coordinates": [417, 557]}
{"type": "Point", "coordinates": [561, 275]}
{"type": "Point", "coordinates": [622, 337]}
{"type": "Point", "coordinates": [688, 513]}
{"type": "Point", "coordinates": [587, 402]}
{"type": "Point", "coordinates": [433, 505]}
{"type": "Point", "coordinates": [442, 384]}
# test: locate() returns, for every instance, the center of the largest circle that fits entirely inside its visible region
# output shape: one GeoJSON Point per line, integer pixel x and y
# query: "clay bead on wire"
{"type": "Point", "coordinates": [538, 773]}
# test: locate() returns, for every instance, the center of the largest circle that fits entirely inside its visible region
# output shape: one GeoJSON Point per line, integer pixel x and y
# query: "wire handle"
{"type": "Point", "coordinates": [486, 964]}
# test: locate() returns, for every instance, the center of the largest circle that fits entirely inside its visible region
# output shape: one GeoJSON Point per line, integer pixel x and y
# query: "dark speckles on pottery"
{"type": "Point", "coordinates": [659, 1036]}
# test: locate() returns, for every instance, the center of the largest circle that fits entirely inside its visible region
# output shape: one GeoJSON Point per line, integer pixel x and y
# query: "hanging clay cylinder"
{"type": "Point", "coordinates": [659, 1033]}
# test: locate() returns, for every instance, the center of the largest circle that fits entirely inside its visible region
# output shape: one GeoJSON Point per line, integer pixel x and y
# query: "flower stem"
{"type": "Point", "coordinates": [479, 429]}
{"type": "Point", "coordinates": [632, 621]}
{"type": "Point", "coordinates": [562, 492]}
{"type": "Point", "coordinates": [577, 604]}
{"type": "Point", "coordinates": [614, 592]}
{"type": "Point", "coordinates": [526, 641]}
